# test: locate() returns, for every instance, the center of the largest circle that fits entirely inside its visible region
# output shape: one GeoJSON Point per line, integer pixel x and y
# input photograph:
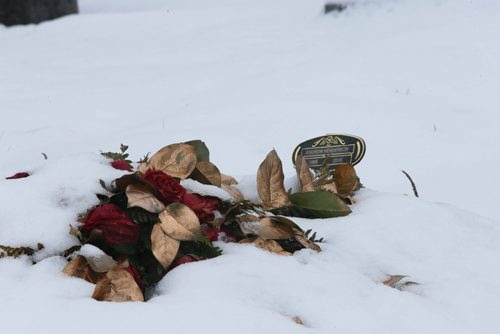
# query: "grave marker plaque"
{"type": "Point", "coordinates": [337, 149]}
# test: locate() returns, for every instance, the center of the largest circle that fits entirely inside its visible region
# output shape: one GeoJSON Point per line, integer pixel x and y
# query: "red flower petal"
{"type": "Point", "coordinates": [114, 224]}
{"type": "Point", "coordinates": [18, 176]}
{"type": "Point", "coordinates": [121, 165]}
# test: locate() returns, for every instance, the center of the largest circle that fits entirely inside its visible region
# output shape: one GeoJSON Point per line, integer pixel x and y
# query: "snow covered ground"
{"type": "Point", "coordinates": [418, 80]}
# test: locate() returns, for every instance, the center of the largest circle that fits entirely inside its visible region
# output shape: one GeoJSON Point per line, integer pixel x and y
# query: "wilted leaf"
{"type": "Point", "coordinates": [304, 241]}
{"type": "Point", "coordinates": [79, 267]}
{"type": "Point", "coordinates": [164, 248]}
{"type": "Point", "coordinates": [345, 179]}
{"type": "Point", "coordinates": [271, 246]}
{"type": "Point", "coordinates": [202, 152]}
{"type": "Point", "coordinates": [304, 174]}
{"type": "Point", "coordinates": [207, 173]}
{"type": "Point", "coordinates": [270, 180]}
{"type": "Point", "coordinates": [118, 286]}
{"type": "Point", "coordinates": [179, 222]}
{"type": "Point", "coordinates": [228, 180]}
{"type": "Point", "coordinates": [320, 204]}
{"type": "Point", "coordinates": [235, 193]}
{"type": "Point", "coordinates": [393, 279]}
{"type": "Point", "coordinates": [177, 160]}
{"type": "Point", "coordinates": [140, 196]}
{"type": "Point", "coordinates": [265, 227]}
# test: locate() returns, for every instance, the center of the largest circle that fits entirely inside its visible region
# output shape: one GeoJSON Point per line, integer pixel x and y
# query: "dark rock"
{"type": "Point", "coordinates": [13, 12]}
{"type": "Point", "coordinates": [335, 7]}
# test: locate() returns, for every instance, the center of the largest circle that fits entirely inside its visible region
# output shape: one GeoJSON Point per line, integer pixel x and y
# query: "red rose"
{"type": "Point", "coordinates": [212, 233]}
{"type": "Point", "coordinates": [18, 176]}
{"type": "Point", "coordinates": [169, 190]}
{"type": "Point", "coordinates": [121, 165]}
{"type": "Point", "coordinates": [114, 224]}
{"type": "Point", "coordinates": [203, 206]}
{"type": "Point", "coordinates": [181, 260]}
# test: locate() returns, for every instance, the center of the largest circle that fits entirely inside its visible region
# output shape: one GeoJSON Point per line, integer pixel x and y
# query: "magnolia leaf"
{"type": "Point", "coordinates": [207, 173]}
{"type": "Point", "coordinates": [304, 174]}
{"type": "Point", "coordinates": [265, 227]}
{"type": "Point", "coordinates": [393, 279]}
{"type": "Point", "coordinates": [320, 204]}
{"type": "Point", "coordinates": [79, 267]}
{"type": "Point", "coordinates": [228, 180]}
{"type": "Point", "coordinates": [176, 160]}
{"type": "Point", "coordinates": [185, 216]}
{"type": "Point", "coordinates": [345, 179]}
{"type": "Point", "coordinates": [270, 180]}
{"type": "Point", "coordinates": [139, 196]}
{"type": "Point", "coordinates": [202, 152]}
{"type": "Point", "coordinates": [304, 241]}
{"type": "Point", "coordinates": [118, 286]}
{"type": "Point", "coordinates": [164, 248]}
{"type": "Point", "coordinates": [235, 193]}
{"type": "Point", "coordinates": [271, 246]}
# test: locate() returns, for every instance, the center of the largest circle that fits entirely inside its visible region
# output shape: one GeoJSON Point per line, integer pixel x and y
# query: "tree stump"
{"type": "Point", "coordinates": [13, 12]}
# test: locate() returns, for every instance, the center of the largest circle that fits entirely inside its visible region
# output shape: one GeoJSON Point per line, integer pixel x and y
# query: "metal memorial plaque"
{"type": "Point", "coordinates": [337, 149]}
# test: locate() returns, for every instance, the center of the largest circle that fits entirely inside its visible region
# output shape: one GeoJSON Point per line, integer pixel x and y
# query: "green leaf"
{"type": "Point", "coordinates": [320, 204]}
{"type": "Point", "coordinates": [141, 216]}
{"type": "Point", "coordinates": [202, 152]}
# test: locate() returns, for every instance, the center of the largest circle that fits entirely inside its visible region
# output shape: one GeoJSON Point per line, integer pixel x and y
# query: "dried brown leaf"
{"type": "Point", "coordinates": [235, 193]}
{"type": "Point", "coordinates": [207, 173]}
{"type": "Point", "coordinates": [331, 187]}
{"type": "Point", "coordinates": [270, 246]}
{"type": "Point", "coordinates": [410, 283]}
{"type": "Point", "coordinates": [393, 280]}
{"type": "Point", "coordinates": [79, 267]}
{"type": "Point", "coordinates": [304, 174]}
{"type": "Point", "coordinates": [270, 180]}
{"type": "Point", "coordinates": [265, 227]}
{"type": "Point", "coordinates": [346, 179]}
{"type": "Point", "coordinates": [179, 222]}
{"type": "Point", "coordinates": [118, 286]}
{"type": "Point", "coordinates": [140, 196]}
{"type": "Point", "coordinates": [177, 160]}
{"type": "Point", "coordinates": [307, 243]}
{"type": "Point", "coordinates": [228, 180]}
{"type": "Point", "coordinates": [297, 320]}
{"type": "Point", "coordinates": [164, 248]}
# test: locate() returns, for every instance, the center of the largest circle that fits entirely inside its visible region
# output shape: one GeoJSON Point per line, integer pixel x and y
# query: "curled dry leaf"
{"type": "Point", "coordinates": [179, 222]}
{"type": "Point", "coordinates": [207, 173]}
{"type": "Point", "coordinates": [304, 174]}
{"type": "Point", "coordinates": [235, 193]}
{"type": "Point", "coordinates": [140, 196]}
{"type": "Point", "coordinates": [79, 267]}
{"type": "Point", "coordinates": [307, 243]}
{"type": "Point", "coordinates": [271, 246]}
{"type": "Point", "coordinates": [393, 280]}
{"type": "Point", "coordinates": [176, 160]}
{"type": "Point", "coordinates": [345, 179]}
{"type": "Point", "coordinates": [164, 248]}
{"type": "Point", "coordinates": [228, 180]}
{"type": "Point", "coordinates": [118, 286]}
{"type": "Point", "coordinates": [265, 227]}
{"type": "Point", "coordinates": [270, 180]}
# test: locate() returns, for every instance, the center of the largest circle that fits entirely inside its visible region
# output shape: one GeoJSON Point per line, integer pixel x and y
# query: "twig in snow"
{"type": "Point", "coordinates": [412, 183]}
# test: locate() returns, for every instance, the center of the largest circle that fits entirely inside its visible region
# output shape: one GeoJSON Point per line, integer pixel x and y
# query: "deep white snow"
{"type": "Point", "coordinates": [418, 80]}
